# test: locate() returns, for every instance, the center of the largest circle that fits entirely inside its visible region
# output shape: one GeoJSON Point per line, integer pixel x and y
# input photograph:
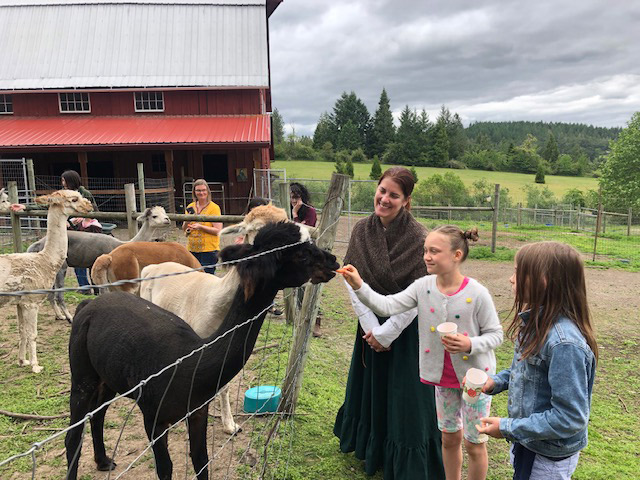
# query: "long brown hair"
{"type": "Point", "coordinates": [549, 282]}
{"type": "Point", "coordinates": [404, 178]}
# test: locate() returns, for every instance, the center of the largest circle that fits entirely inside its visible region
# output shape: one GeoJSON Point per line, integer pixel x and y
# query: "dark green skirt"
{"type": "Point", "coordinates": [389, 417]}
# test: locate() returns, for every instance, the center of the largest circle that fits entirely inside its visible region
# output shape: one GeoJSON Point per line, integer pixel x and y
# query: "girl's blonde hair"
{"type": "Point", "coordinates": [197, 183]}
{"type": "Point", "coordinates": [459, 239]}
{"type": "Point", "coordinates": [549, 282]}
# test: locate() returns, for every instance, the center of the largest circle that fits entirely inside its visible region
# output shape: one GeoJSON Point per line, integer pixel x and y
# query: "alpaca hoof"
{"type": "Point", "coordinates": [106, 465]}
{"type": "Point", "coordinates": [233, 431]}
{"type": "Point", "coordinates": [36, 368]}
{"type": "Point", "coordinates": [24, 362]}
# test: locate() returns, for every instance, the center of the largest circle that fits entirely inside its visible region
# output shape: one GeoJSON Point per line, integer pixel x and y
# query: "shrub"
{"type": "Point", "coordinates": [442, 190]}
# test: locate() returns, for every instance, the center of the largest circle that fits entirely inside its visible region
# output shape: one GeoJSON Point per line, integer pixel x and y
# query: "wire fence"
{"type": "Point", "coordinates": [254, 458]}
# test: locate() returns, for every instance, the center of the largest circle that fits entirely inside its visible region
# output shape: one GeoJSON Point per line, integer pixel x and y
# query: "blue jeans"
{"type": "Point", "coordinates": [207, 258]}
{"type": "Point", "coordinates": [547, 469]}
{"type": "Point", "coordinates": [81, 275]}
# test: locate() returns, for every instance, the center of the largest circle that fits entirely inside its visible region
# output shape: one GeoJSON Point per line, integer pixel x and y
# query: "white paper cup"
{"type": "Point", "coordinates": [447, 328]}
{"type": "Point", "coordinates": [473, 385]}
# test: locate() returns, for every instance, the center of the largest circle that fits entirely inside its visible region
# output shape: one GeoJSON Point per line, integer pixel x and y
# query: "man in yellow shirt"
{"type": "Point", "coordinates": [203, 238]}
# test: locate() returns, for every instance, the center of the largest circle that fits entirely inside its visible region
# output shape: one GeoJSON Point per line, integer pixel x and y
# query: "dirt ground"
{"type": "Point", "coordinates": [614, 299]}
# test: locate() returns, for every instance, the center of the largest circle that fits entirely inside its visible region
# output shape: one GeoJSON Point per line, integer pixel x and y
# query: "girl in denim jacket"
{"type": "Point", "coordinates": [553, 368]}
{"type": "Point", "coordinates": [446, 295]}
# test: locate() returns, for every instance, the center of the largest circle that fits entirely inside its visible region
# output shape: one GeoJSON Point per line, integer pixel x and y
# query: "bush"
{"type": "Point", "coordinates": [376, 169]}
{"type": "Point", "coordinates": [456, 165]}
{"type": "Point", "coordinates": [540, 175]}
{"type": "Point", "coordinates": [540, 197]}
{"type": "Point", "coordinates": [358, 156]}
{"type": "Point", "coordinates": [362, 196]}
{"type": "Point", "coordinates": [442, 190]}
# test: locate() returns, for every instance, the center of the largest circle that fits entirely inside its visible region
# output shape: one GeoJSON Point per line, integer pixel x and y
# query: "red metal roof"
{"type": "Point", "coordinates": [126, 131]}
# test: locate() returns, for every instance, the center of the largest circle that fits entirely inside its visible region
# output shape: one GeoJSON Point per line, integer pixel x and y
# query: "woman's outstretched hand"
{"type": "Point", "coordinates": [351, 275]}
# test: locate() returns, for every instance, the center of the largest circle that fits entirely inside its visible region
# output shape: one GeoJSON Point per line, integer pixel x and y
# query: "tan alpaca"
{"type": "Point", "coordinates": [127, 261]}
{"type": "Point", "coordinates": [34, 271]}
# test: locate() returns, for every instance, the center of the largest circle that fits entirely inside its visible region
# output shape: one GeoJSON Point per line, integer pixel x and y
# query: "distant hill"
{"type": "Point", "coordinates": [572, 138]}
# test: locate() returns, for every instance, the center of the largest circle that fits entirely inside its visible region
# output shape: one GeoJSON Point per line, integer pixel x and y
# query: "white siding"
{"type": "Point", "coordinates": [133, 44]}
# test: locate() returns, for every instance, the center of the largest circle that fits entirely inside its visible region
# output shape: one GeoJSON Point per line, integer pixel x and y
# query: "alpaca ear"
{"type": "Point", "coordinates": [43, 199]}
{"type": "Point", "coordinates": [143, 215]}
{"type": "Point", "coordinates": [236, 252]}
{"type": "Point", "coordinates": [238, 229]}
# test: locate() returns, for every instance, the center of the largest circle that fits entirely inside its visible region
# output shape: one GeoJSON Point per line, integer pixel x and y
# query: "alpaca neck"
{"type": "Point", "coordinates": [56, 243]}
{"type": "Point", "coordinates": [232, 351]}
{"type": "Point", "coordinates": [145, 234]}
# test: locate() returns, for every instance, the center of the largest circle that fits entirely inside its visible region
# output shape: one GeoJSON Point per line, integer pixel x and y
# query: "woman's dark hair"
{"type": "Point", "coordinates": [405, 180]}
{"type": "Point", "coordinates": [299, 190]}
{"type": "Point", "coordinates": [256, 202]}
{"type": "Point", "coordinates": [71, 179]}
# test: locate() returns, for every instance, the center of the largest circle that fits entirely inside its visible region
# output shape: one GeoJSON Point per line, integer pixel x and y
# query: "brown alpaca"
{"type": "Point", "coordinates": [127, 261]}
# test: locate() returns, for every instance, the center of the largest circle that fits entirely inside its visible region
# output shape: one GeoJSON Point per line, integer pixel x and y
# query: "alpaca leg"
{"type": "Point", "coordinates": [226, 416]}
{"type": "Point", "coordinates": [103, 462]}
{"type": "Point", "coordinates": [30, 319]}
{"type": "Point", "coordinates": [164, 466]}
{"type": "Point", "coordinates": [198, 442]}
{"type": "Point", "coordinates": [79, 403]}
{"type": "Point", "coordinates": [22, 345]}
{"type": "Point", "coordinates": [57, 299]}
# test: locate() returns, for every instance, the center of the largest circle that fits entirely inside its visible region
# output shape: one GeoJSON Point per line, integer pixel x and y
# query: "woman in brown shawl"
{"type": "Point", "coordinates": [389, 417]}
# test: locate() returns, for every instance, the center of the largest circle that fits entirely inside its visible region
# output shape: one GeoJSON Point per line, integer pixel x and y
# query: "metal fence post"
{"type": "Point", "coordinates": [629, 218]}
{"type": "Point", "coordinates": [598, 220]}
{"type": "Point", "coordinates": [290, 294]}
{"type": "Point", "coordinates": [15, 219]}
{"type": "Point", "coordinates": [496, 208]}
{"type": "Point", "coordinates": [130, 201]}
{"type": "Point", "coordinates": [519, 213]}
{"type": "Point", "coordinates": [143, 198]}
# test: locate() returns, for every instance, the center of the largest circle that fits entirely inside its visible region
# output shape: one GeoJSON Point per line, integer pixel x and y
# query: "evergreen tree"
{"type": "Point", "coordinates": [341, 162]}
{"type": "Point", "coordinates": [425, 128]}
{"type": "Point", "coordinates": [383, 131]}
{"type": "Point", "coordinates": [277, 124]}
{"type": "Point", "coordinates": [376, 169]}
{"type": "Point", "coordinates": [540, 174]}
{"type": "Point", "coordinates": [350, 108]}
{"type": "Point", "coordinates": [440, 150]}
{"type": "Point", "coordinates": [408, 138]}
{"type": "Point", "coordinates": [414, 174]}
{"type": "Point", "coordinates": [457, 138]}
{"type": "Point", "coordinates": [325, 132]}
{"type": "Point", "coordinates": [550, 152]}
{"type": "Point", "coordinates": [326, 153]}
{"type": "Point", "coordinates": [348, 168]}
{"type": "Point", "coordinates": [349, 138]}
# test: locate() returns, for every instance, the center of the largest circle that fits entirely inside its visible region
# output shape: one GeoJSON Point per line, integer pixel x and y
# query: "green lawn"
{"type": "Point", "coordinates": [515, 182]}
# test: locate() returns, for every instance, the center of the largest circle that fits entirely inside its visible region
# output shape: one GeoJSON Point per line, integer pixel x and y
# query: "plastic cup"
{"type": "Point", "coordinates": [473, 385]}
{"type": "Point", "coordinates": [447, 328]}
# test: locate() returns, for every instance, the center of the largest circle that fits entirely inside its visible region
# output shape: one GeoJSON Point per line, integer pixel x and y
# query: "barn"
{"type": "Point", "coordinates": [98, 86]}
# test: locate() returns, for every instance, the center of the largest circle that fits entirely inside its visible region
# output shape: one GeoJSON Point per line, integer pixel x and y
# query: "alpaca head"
{"type": "Point", "coordinates": [156, 217]}
{"type": "Point", "coordinates": [257, 218]}
{"type": "Point", "coordinates": [290, 267]}
{"type": "Point", "coordinates": [70, 201]}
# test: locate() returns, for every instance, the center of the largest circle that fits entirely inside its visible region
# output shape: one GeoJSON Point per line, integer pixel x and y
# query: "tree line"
{"type": "Point", "coordinates": [350, 134]}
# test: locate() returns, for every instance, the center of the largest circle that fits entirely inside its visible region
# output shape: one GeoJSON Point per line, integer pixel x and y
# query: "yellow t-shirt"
{"type": "Point", "coordinates": [199, 241]}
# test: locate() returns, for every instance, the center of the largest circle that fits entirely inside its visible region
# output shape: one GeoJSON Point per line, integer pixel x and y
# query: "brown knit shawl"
{"type": "Point", "coordinates": [390, 259]}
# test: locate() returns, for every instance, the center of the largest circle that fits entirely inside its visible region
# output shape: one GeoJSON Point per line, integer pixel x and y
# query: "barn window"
{"type": "Point", "coordinates": [74, 103]}
{"type": "Point", "coordinates": [149, 101]}
{"type": "Point", "coordinates": [6, 104]}
{"type": "Point", "coordinates": [158, 164]}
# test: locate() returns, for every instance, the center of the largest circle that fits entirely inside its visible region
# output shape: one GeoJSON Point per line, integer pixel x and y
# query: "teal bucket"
{"type": "Point", "coordinates": [262, 399]}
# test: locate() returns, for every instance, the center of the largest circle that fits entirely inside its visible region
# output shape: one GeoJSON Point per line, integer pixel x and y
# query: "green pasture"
{"type": "Point", "coordinates": [515, 182]}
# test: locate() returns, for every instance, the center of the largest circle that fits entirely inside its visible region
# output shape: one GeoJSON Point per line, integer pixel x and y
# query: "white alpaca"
{"type": "Point", "coordinates": [32, 271]}
{"type": "Point", "coordinates": [203, 300]}
{"type": "Point", "coordinates": [4, 201]}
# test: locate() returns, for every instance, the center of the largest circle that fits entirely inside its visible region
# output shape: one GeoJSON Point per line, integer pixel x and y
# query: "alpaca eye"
{"type": "Point", "coordinates": [74, 200]}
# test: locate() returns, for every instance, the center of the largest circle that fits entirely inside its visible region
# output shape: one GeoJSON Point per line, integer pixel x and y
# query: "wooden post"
{"type": "Point", "coordinates": [143, 198]}
{"type": "Point", "coordinates": [519, 213]}
{"type": "Point", "coordinates": [31, 178]}
{"type": "Point", "coordinates": [598, 220]}
{"type": "Point", "coordinates": [496, 207]}
{"type": "Point", "coordinates": [604, 222]}
{"type": "Point", "coordinates": [15, 220]}
{"type": "Point", "coordinates": [84, 172]}
{"type": "Point", "coordinates": [130, 201]}
{"type": "Point", "coordinates": [290, 294]}
{"type": "Point", "coordinates": [302, 330]}
{"type": "Point", "coordinates": [168, 160]}
{"type": "Point", "coordinates": [629, 218]}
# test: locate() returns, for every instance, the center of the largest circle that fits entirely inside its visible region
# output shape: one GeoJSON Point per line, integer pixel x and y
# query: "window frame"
{"type": "Point", "coordinates": [148, 100]}
{"type": "Point", "coordinates": [74, 102]}
{"type": "Point", "coordinates": [6, 100]}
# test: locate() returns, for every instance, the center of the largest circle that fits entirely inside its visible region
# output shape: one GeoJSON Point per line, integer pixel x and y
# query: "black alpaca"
{"type": "Point", "coordinates": [119, 339]}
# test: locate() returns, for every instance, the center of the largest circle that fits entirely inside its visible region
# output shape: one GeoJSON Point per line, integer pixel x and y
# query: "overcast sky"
{"type": "Point", "coordinates": [550, 60]}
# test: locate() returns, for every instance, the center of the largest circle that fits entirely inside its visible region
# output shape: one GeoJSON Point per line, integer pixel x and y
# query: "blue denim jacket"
{"type": "Point", "coordinates": [550, 393]}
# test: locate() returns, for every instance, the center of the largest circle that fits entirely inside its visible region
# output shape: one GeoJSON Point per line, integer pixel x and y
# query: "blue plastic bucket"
{"type": "Point", "coordinates": [262, 399]}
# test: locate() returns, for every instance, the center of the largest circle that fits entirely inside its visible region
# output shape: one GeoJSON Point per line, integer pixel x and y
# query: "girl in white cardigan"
{"type": "Point", "coordinates": [446, 295]}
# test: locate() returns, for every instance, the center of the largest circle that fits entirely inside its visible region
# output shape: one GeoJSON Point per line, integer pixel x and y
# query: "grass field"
{"type": "Point", "coordinates": [515, 182]}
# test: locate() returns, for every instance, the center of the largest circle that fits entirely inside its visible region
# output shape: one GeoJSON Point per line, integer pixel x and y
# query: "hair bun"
{"type": "Point", "coordinates": [472, 234]}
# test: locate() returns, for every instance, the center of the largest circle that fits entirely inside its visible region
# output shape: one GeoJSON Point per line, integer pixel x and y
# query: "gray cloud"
{"type": "Point", "coordinates": [552, 60]}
